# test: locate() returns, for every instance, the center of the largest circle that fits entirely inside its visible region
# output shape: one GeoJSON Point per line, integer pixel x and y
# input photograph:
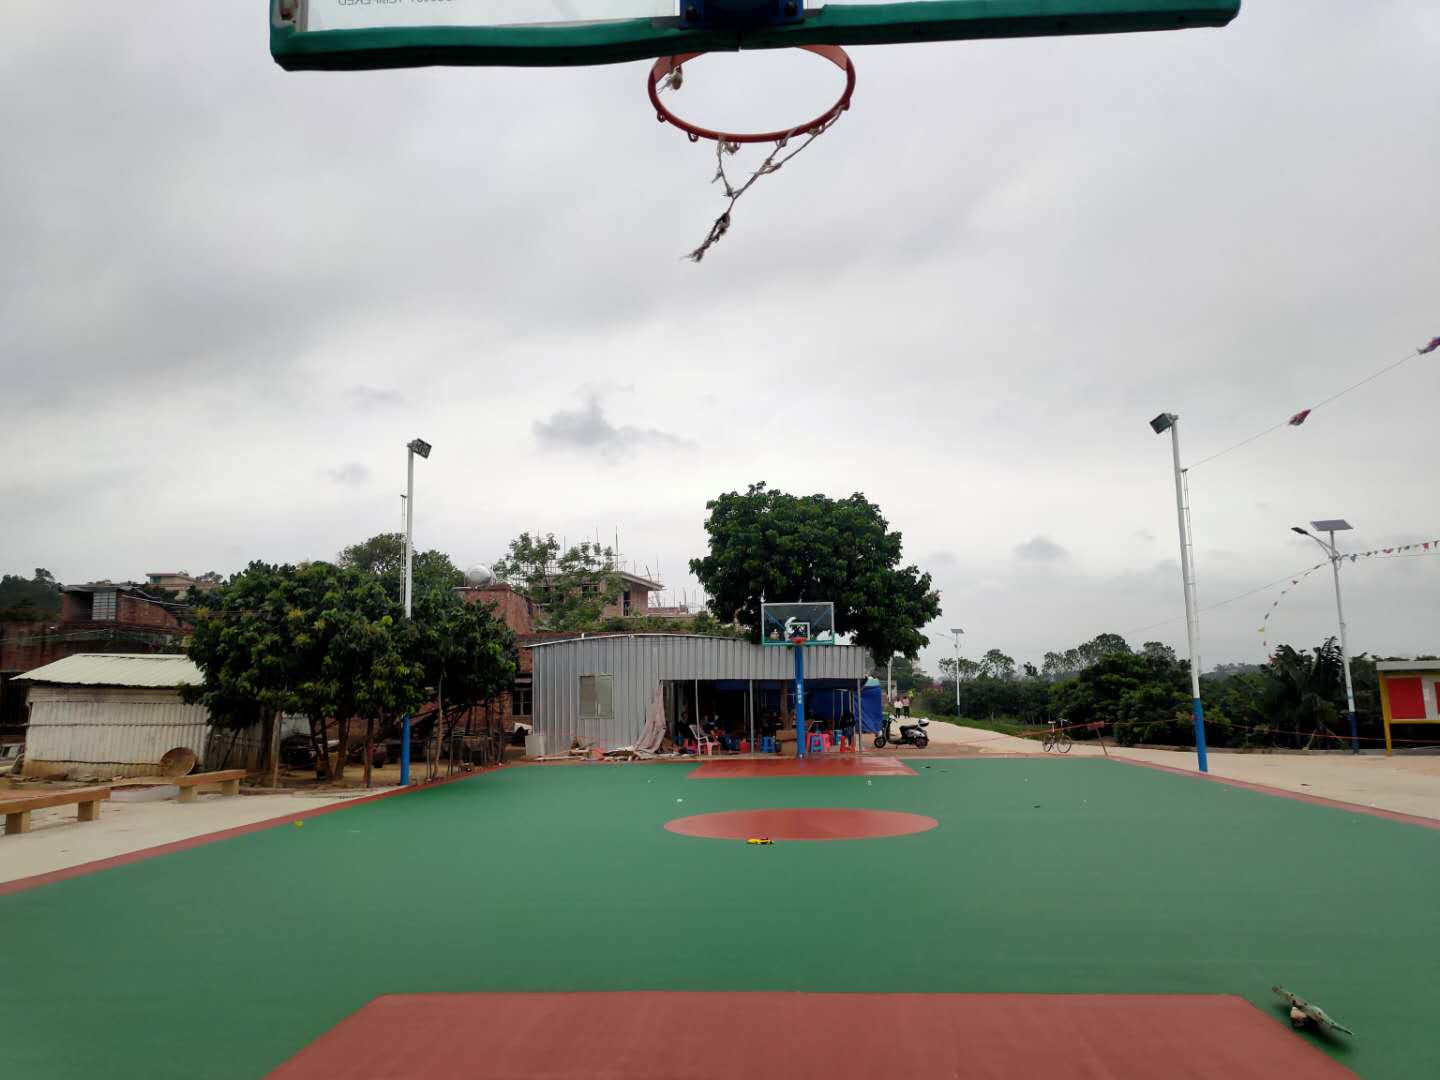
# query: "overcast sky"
{"type": "Point", "coordinates": [229, 296]}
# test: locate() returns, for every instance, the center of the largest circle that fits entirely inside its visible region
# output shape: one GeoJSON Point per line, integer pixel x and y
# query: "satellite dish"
{"type": "Point", "coordinates": [478, 577]}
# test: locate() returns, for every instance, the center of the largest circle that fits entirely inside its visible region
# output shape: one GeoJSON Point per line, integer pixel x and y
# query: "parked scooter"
{"type": "Point", "coordinates": [910, 735]}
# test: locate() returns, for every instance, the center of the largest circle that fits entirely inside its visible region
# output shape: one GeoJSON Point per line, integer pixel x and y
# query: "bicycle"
{"type": "Point", "coordinates": [1057, 738]}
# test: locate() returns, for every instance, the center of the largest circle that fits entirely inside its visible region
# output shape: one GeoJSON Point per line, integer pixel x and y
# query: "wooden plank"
{"type": "Point", "coordinates": [26, 803]}
{"type": "Point", "coordinates": [206, 778]}
{"type": "Point", "coordinates": [17, 822]}
{"type": "Point", "coordinates": [90, 811]}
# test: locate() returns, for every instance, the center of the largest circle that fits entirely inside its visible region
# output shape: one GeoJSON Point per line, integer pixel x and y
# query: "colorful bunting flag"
{"type": "Point", "coordinates": [1431, 346]}
{"type": "Point", "coordinates": [1299, 418]}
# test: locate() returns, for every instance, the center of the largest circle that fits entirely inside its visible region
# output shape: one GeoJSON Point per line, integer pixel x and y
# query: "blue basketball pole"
{"type": "Point", "coordinates": [405, 751]}
{"type": "Point", "coordinates": [799, 700]}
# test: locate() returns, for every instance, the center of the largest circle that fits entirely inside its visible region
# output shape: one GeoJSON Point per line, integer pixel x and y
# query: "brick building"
{"type": "Point", "coordinates": [113, 617]}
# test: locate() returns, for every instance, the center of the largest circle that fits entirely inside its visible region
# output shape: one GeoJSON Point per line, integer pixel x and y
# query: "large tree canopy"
{"type": "Point", "coordinates": [35, 598]}
{"type": "Point", "coordinates": [571, 587]}
{"type": "Point", "coordinates": [329, 641]}
{"type": "Point", "coordinates": [767, 544]}
{"type": "Point", "coordinates": [383, 556]}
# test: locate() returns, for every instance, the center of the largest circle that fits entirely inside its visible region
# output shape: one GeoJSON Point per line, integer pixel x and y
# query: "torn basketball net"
{"type": "Point", "coordinates": [669, 74]}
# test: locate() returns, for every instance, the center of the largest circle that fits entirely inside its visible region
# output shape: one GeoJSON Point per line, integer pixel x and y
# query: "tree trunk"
{"type": "Point", "coordinates": [343, 748]}
{"type": "Point", "coordinates": [434, 755]}
{"type": "Point", "coordinates": [369, 746]}
{"type": "Point", "coordinates": [319, 749]}
{"type": "Point", "coordinates": [275, 750]}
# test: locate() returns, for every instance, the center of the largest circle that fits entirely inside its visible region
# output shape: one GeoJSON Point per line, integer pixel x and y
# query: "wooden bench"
{"type": "Point", "coordinates": [17, 809]}
{"type": "Point", "coordinates": [227, 780]}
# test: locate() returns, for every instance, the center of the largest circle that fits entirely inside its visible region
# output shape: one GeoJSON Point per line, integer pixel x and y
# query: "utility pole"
{"type": "Point", "coordinates": [413, 447]}
{"type": "Point", "coordinates": [1333, 554]}
{"type": "Point", "coordinates": [956, 632]}
{"type": "Point", "coordinates": [1171, 423]}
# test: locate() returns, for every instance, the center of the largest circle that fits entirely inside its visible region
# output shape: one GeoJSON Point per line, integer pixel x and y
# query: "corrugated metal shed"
{"type": "Point", "coordinates": [118, 669]}
{"type": "Point", "coordinates": [638, 663]}
{"type": "Point", "coordinates": [112, 714]}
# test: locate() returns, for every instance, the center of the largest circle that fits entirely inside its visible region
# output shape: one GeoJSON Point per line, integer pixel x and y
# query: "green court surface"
{"type": "Point", "coordinates": [1043, 876]}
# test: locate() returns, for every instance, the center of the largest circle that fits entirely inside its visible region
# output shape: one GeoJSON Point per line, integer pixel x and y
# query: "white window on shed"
{"type": "Point", "coordinates": [102, 606]}
{"type": "Point", "coordinates": [597, 697]}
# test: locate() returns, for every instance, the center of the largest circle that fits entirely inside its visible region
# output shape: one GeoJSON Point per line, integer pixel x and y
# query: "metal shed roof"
{"type": "Point", "coordinates": [118, 669]}
{"type": "Point", "coordinates": [1407, 665]}
{"type": "Point", "coordinates": [706, 656]}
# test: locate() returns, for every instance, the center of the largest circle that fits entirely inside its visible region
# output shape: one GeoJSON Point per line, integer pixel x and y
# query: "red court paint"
{"type": "Point", "coordinates": [824, 765]}
{"type": "Point", "coordinates": [1298, 796]}
{"type": "Point", "coordinates": [828, 823]}
{"type": "Point", "coordinates": [777, 1036]}
{"type": "Point", "coordinates": [36, 880]}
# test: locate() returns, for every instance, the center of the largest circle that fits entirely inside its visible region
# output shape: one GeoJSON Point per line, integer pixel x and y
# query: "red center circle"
{"type": "Point", "coordinates": [826, 823]}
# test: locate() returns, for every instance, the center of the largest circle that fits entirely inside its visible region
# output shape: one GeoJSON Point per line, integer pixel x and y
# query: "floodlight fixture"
{"type": "Point", "coordinates": [419, 446]}
{"type": "Point", "coordinates": [1163, 423]}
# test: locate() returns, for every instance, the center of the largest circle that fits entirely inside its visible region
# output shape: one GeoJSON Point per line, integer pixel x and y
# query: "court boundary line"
{"type": "Point", "coordinates": [95, 866]}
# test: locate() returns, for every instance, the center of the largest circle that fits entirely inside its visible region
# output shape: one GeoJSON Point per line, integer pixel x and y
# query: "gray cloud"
{"type": "Point", "coordinates": [351, 473]}
{"type": "Point", "coordinates": [589, 429]}
{"type": "Point", "coordinates": [372, 397]}
{"type": "Point", "coordinates": [1040, 549]}
{"type": "Point", "coordinates": [225, 297]}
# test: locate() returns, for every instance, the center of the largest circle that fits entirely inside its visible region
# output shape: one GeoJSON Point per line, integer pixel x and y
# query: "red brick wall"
{"type": "Point", "coordinates": [74, 607]}
{"type": "Point", "coordinates": [18, 654]}
{"type": "Point", "coordinates": [507, 605]}
{"type": "Point", "coordinates": [137, 611]}
{"type": "Point", "coordinates": [639, 603]}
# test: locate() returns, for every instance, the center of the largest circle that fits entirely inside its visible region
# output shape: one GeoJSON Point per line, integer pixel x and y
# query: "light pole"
{"type": "Point", "coordinates": [413, 447]}
{"type": "Point", "coordinates": [1333, 554]}
{"type": "Point", "coordinates": [956, 632]}
{"type": "Point", "coordinates": [1171, 423]}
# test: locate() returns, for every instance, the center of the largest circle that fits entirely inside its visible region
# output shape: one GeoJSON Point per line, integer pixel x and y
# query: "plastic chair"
{"type": "Point", "coordinates": [767, 744]}
{"type": "Point", "coordinates": [704, 742]}
{"type": "Point", "coordinates": [815, 744]}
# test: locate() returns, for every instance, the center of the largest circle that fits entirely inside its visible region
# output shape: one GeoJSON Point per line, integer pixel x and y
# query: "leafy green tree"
{"type": "Point", "coordinates": [1158, 650]}
{"type": "Point", "coordinates": [997, 665]}
{"type": "Point", "coordinates": [383, 556]}
{"type": "Point", "coordinates": [909, 676]}
{"type": "Point", "coordinates": [465, 654]}
{"type": "Point", "coordinates": [1144, 698]}
{"type": "Point", "coordinates": [256, 647]}
{"type": "Point", "coordinates": [769, 546]}
{"type": "Point", "coordinates": [29, 599]}
{"type": "Point", "coordinates": [571, 588]}
{"type": "Point", "coordinates": [962, 668]}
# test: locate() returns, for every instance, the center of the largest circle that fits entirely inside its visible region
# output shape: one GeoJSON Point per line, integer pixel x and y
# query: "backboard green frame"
{"type": "Point", "coordinates": [559, 45]}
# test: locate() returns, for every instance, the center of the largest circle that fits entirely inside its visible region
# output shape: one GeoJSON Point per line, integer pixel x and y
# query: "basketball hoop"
{"type": "Point", "coordinates": [668, 74]}
{"type": "Point", "coordinates": [797, 641]}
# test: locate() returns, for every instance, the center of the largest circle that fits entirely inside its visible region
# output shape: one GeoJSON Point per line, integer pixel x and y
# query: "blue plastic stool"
{"type": "Point", "coordinates": [767, 744]}
{"type": "Point", "coordinates": [815, 744]}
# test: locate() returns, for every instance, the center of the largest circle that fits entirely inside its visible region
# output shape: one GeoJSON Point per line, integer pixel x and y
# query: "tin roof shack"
{"type": "Point", "coordinates": [108, 715]}
{"type": "Point", "coordinates": [597, 688]}
{"type": "Point", "coordinates": [101, 617]}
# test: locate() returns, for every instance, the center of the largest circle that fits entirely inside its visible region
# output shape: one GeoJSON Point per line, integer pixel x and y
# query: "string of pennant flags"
{"type": "Point", "coordinates": [1300, 417]}
{"type": "Point", "coordinates": [1424, 547]}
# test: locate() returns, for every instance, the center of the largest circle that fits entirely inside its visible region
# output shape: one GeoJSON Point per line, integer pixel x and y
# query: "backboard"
{"type": "Point", "coordinates": [342, 35]}
{"type": "Point", "coordinates": [780, 624]}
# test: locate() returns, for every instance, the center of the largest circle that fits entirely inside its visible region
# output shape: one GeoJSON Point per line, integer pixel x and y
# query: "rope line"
{"type": "Point", "coordinates": [1325, 401]}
